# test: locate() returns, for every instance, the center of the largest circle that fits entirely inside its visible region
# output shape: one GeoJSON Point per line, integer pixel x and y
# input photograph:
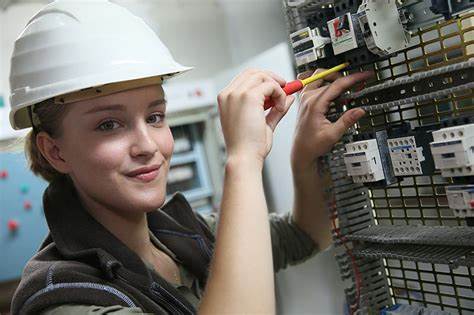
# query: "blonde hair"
{"type": "Point", "coordinates": [48, 118]}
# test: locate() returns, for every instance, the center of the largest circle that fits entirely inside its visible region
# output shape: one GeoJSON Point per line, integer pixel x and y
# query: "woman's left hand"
{"type": "Point", "coordinates": [315, 135]}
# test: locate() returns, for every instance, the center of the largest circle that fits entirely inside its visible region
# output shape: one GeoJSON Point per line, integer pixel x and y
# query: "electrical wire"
{"type": "Point", "coordinates": [353, 308]}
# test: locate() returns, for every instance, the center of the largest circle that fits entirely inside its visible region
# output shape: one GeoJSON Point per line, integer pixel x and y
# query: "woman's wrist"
{"type": "Point", "coordinates": [303, 166]}
{"type": "Point", "coordinates": [242, 162]}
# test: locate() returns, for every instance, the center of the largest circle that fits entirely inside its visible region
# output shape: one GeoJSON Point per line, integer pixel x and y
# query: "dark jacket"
{"type": "Point", "coordinates": [73, 267]}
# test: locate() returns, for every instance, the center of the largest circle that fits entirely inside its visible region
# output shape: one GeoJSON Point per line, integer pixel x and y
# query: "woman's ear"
{"type": "Point", "coordinates": [51, 151]}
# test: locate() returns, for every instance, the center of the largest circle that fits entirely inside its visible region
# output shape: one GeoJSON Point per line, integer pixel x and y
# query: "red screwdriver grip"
{"type": "Point", "coordinates": [289, 88]}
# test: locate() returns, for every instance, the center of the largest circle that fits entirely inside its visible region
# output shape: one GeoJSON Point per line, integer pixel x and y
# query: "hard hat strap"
{"type": "Point", "coordinates": [30, 113]}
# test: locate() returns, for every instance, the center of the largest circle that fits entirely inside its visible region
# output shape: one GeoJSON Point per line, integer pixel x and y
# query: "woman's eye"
{"type": "Point", "coordinates": [108, 125]}
{"type": "Point", "coordinates": [155, 118]}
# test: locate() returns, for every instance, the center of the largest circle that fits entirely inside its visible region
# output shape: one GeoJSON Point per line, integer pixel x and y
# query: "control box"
{"type": "Point", "coordinates": [453, 150]}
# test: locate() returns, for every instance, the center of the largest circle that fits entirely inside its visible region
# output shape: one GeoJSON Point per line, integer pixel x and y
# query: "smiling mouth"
{"type": "Point", "coordinates": [146, 175]}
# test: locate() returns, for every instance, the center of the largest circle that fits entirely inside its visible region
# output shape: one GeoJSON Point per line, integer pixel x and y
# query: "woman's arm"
{"type": "Point", "coordinates": [241, 278]}
{"type": "Point", "coordinates": [310, 213]}
{"type": "Point", "coordinates": [314, 137]}
{"type": "Point", "coordinates": [241, 275]}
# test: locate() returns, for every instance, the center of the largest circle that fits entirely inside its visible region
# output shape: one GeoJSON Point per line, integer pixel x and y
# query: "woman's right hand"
{"type": "Point", "coordinates": [248, 132]}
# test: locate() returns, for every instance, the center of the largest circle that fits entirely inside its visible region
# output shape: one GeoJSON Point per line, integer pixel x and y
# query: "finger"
{"type": "Point", "coordinates": [343, 84]}
{"type": "Point", "coordinates": [347, 120]}
{"type": "Point", "coordinates": [274, 91]}
{"type": "Point", "coordinates": [304, 75]}
{"type": "Point", "coordinates": [276, 77]}
{"type": "Point", "coordinates": [309, 98]}
{"type": "Point", "coordinates": [329, 78]}
{"type": "Point", "coordinates": [241, 78]}
{"type": "Point", "coordinates": [275, 115]}
{"type": "Point", "coordinates": [261, 76]}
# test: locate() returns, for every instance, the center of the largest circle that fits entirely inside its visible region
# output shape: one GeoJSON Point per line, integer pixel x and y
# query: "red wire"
{"type": "Point", "coordinates": [358, 281]}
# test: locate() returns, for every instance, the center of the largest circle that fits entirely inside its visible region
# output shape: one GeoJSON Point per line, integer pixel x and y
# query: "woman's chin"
{"type": "Point", "coordinates": [148, 203]}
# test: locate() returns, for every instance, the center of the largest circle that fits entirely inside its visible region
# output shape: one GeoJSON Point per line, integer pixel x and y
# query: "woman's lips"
{"type": "Point", "coordinates": [147, 176]}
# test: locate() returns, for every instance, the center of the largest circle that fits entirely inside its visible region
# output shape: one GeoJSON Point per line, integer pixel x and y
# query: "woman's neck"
{"type": "Point", "coordinates": [131, 229]}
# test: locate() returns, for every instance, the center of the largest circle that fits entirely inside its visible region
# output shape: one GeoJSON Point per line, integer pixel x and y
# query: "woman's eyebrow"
{"type": "Point", "coordinates": [161, 102]}
{"type": "Point", "coordinates": [120, 107]}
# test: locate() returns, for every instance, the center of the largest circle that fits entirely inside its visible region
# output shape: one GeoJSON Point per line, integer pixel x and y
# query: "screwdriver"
{"type": "Point", "coordinates": [298, 85]}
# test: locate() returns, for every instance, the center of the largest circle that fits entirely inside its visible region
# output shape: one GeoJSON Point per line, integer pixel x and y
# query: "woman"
{"type": "Point", "coordinates": [100, 138]}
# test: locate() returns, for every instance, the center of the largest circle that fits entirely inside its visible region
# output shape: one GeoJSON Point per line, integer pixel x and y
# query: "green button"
{"type": "Point", "coordinates": [2, 102]}
{"type": "Point", "coordinates": [25, 189]}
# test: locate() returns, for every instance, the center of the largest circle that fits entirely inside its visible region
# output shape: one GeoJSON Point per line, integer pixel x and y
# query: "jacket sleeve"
{"type": "Point", "coordinates": [290, 244]}
{"type": "Point", "coordinates": [74, 309]}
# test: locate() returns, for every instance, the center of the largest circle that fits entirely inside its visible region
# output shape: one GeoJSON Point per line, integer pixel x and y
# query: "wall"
{"type": "Point", "coordinates": [194, 31]}
{"type": "Point", "coordinates": [253, 27]}
{"type": "Point", "coordinates": [12, 22]}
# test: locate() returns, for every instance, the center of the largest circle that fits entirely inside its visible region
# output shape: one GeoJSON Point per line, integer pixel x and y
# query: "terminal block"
{"type": "Point", "coordinates": [406, 156]}
{"type": "Point", "coordinates": [461, 200]}
{"type": "Point", "coordinates": [368, 160]}
{"type": "Point", "coordinates": [453, 150]}
{"type": "Point", "coordinates": [308, 45]}
{"type": "Point", "coordinates": [410, 149]}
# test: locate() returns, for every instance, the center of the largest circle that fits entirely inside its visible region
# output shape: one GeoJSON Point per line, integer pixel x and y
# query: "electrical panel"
{"type": "Point", "coordinates": [402, 195]}
{"type": "Point", "coordinates": [22, 223]}
{"type": "Point", "coordinates": [189, 172]}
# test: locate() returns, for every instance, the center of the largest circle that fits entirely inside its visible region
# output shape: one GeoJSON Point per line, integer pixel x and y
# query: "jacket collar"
{"type": "Point", "coordinates": [78, 236]}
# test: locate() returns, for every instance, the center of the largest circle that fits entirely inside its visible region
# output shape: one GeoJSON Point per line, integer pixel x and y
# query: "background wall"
{"type": "Point", "coordinates": [253, 27]}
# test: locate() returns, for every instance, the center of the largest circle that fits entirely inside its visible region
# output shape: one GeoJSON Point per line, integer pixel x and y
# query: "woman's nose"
{"type": "Point", "coordinates": [143, 143]}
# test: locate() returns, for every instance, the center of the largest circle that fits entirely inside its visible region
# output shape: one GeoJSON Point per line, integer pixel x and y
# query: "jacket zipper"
{"type": "Point", "coordinates": [156, 288]}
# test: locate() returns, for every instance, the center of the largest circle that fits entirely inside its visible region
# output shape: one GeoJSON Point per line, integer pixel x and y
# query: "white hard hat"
{"type": "Point", "coordinates": [71, 45]}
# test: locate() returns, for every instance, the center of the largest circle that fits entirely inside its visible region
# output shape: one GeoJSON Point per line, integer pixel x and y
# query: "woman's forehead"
{"type": "Point", "coordinates": [137, 97]}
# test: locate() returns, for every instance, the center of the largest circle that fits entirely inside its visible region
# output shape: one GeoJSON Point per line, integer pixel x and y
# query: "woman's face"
{"type": "Point", "coordinates": [107, 140]}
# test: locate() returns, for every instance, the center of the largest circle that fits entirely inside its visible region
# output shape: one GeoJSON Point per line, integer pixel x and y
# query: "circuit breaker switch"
{"type": "Point", "coordinates": [453, 150]}
{"type": "Point", "coordinates": [308, 45]}
{"type": "Point", "coordinates": [461, 200]}
{"type": "Point", "coordinates": [363, 162]}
